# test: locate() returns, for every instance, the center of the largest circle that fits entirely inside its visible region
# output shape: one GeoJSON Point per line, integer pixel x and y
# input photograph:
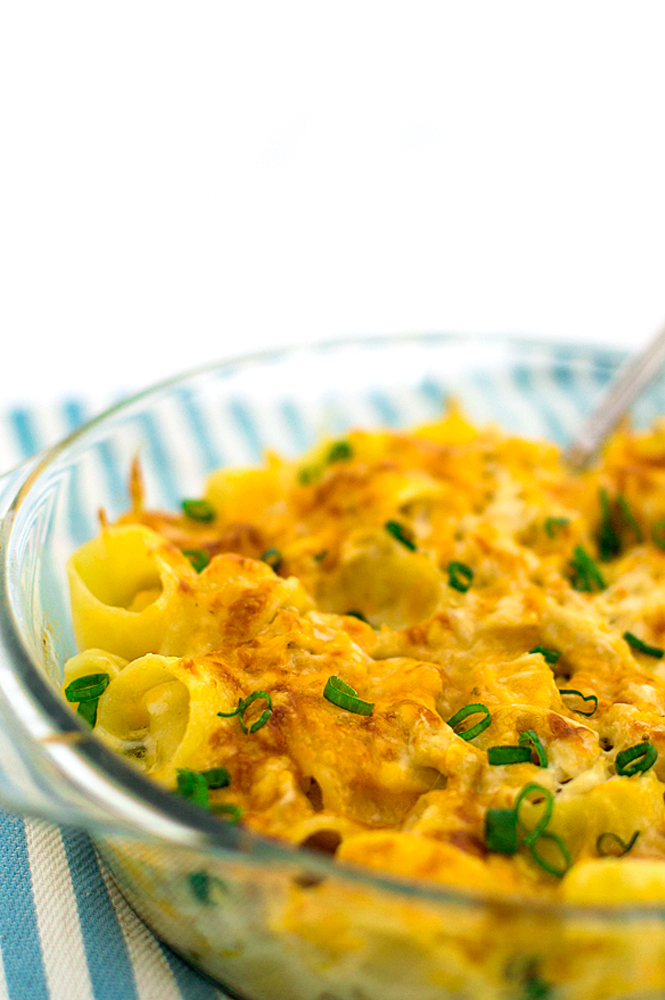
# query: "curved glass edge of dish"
{"type": "Point", "coordinates": [77, 761]}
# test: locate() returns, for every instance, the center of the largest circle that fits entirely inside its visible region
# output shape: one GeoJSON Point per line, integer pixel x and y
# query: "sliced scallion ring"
{"type": "Point", "coordinates": [552, 524]}
{"type": "Point", "coordinates": [530, 739]}
{"type": "Point", "coordinates": [535, 847]}
{"type": "Point", "coordinates": [460, 576]}
{"type": "Point", "coordinates": [501, 831]}
{"type": "Point", "coordinates": [578, 694]}
{"type": "Point", "coordinates": [643, 647]}
{"type": "Point", "coordinates": [340, 451]}
{"type": "Point", "coordinates": [610, 845]}
{"type": "Point", "coordinates": [193, 786]}
{"type": "Point", "coordinates": [87, 688]}
{"type": "Point", "coordinates": [401, 533]}
{"type": "Point", "coordinates": [508, 755]}
{"type": "Point", "coordinates": [585, 575]}
{"type": "Point", "coordinates": [264, 716]}
{"type": "Point", "coordinates": [549, 655]}
{"type": "Point", "coordinates": [273, 557]}
{"type": "Point", "coordinates": [658, 534]}
{"type": "Point", "coordinates": [532, 834]}
{"type": "Point", "coordinates": [339, 693]}
{"type": "Point", "coordinates": [231, 810]}
{"type": "Point", "coordinates": [464, 713]}
{"type": "Point", "coordinates": [199, 510]}
{"type": "Point", "coordinates": [217, 777]}
{"type": "Point", "coordinates": [198, 558]}
{"type": "Point", "coordinates": [636, 759]}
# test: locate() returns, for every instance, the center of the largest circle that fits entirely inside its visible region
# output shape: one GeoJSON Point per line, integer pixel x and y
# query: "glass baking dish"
{"type": "Point", "coordinates": [268, 921]}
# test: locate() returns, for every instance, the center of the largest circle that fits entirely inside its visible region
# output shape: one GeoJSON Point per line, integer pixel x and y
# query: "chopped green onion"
{"type": "Point", "coordinates": [636, 759]}
{"type": "Point", "coordinates": [320, 556]}
{"type": "Point", "coordinates": [585, 574]}
{"type": "Point", "coordinates": [357, 614]}
{"type": "Point", "coordinates": [217, 777]}
{"type": "Point", "coordinates": [401, 533]}
{"type": "Point", "coordinates": [609, 543]}
{"type": "Point", "coordinates": [464, 713]}
{"type": "Point", "coordinates": [199, 510]}
{"type": "Point", "coordinates": [552, 524]}
{"type": "Point", "coordinates": [535, 988]}
{"type": "Point", "coordinates": [88, 710]}
{"type": "Point", "coordinates": [536, 831]}
{"type": "Point", "coordinates": [530, 739]}
{"type": "Point", "coordinates": [198, 558]}
{"type": "Point", "coordinates": [588, 697]}
{"type": "Point", "coordinates": [201, 883]}
{"type": "Point", "coordinates": [264, 716]}
{"type": "Point", "coordinates": [308, 474]}
{"type": "Point", "coordinates": [501, 831]}
{"type": "Point", "coordinates": [230, 809]}
{"type": "Point", "coordinates": [629, 518]}
{"type": "Point", "coordinates": [610, 845]}
{"type": "Point", "coordinates": [558, 870]}
{"type": "Point", "coordinates": [508, 755]}
{"type": "Point", "coordinates": [344, 696]}
{"type": "Point", "coordinates": [243, 705]}
{"type": "Point", "coordinates": [642, 647]}
{"type": "Point", "coordinates": [460, 576]}
{"type": "Point", "coordinates": [229, 715]}
{"type": "Point", "coordinates": [341, 451]}
{"type": "Point", "coordinates": [550, 655]}
{"type": "Point", "coordinates": [658, 534]}
{"type": "Point", "coordinates": [192, 785]}
{"type": "Point", "coordinates": [87, 688]}
{"type": "Point", "coordinates": [273, 557]}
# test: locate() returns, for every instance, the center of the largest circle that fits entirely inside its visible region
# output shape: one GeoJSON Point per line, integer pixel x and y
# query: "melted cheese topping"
{"type": "Point", "coordinates": [400, 789]}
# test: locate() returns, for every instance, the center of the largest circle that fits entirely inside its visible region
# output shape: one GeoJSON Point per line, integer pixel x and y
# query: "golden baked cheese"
{"type": "Point", "coordinates": [435, 652]}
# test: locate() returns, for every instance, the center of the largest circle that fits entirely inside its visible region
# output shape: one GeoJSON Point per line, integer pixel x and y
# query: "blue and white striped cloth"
{"type": "Point", "coordinates": [66, 933]}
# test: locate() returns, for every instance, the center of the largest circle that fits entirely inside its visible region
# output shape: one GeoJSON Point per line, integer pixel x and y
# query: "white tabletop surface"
{"type": "Point", "coordinates": [184, 182]}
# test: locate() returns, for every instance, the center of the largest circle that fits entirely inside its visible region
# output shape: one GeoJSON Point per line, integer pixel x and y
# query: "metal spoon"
{"type": "Point", "coordinates": [623, 391]}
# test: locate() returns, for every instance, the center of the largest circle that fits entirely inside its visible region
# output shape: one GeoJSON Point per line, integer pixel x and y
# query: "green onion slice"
{"type": "Point", "coordinates": [464, 713]}
{"type": "Point", "coordinates": [578, 694]}
{"type": "Point", "coordinates": [629, 518]}
{"type": "Point", "coordinates": [550, 655]}
{"type": "Point", "coordinates": [609, 543]}
{"type": "Point", "coordinates": [543, 794]}
{"type": "Point", "coordinates": [501, 831]}
{"type": "Point", "coordinates": [198, 558]}
{"type": "Point", "coordinates": [273, 557]}
{"type": "Point", "coordinates": [201, 884]}
{"type": "Point", "coordinates": [508, 755]}
{"type": "Point", "coordinates": [320, 556]}
{"type": "Point", "coordinates": [552, 524]}
{"type": "Point", "coordinates": [460, 576]}
{"type": "Point", "coordinates": [217, 777]}
{"type": "Point", "coordinates": [565, 862]}
{"type": "Point", "coordinates": [229, 715]}
{"type": "Point", "coordinates": [264, 716]}
{"type": "Point", "coordinates": [344, 696]}
{"type": "Point", "coordinates": [610, 845]}
{"type": "Point", "coordinates": [530, 739]}
{"type": "Point", "coordinates": [192, 785]}
{"type": "Point", "coordinates": [88, 710]}
{"type": "Point", "coordinates": [341, 451]}
{"type": "Point", "coordinates": [658, 534]}
{"type": "Point", "coordinates": [585, 574]}
{"type": "Point", "coordinates": [642, 647]}
{"type": "Point", "coordinates": [636, 759]}
{"type": "Point", "coordinates": [401, 533]}
{"type": "Point", "coordinates": [308, 474]}
{"type": "Point", "coordinates": [87, 688]}
{"type": "Point", "coordinates": [232, 811]}
{"type": "Point", "coordinates": [199, 510]}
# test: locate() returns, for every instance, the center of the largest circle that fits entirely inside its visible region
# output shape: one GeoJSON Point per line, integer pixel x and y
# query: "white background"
{"type": "Point", "coordinates": [181, 182]}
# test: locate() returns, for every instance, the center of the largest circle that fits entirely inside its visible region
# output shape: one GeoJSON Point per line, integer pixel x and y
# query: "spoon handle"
{"type": "Point", "coordinates": [625, 389]}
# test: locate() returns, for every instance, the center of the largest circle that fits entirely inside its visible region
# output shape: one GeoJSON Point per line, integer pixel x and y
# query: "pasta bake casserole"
{"type": "Point", "coordinates": [438, 653]}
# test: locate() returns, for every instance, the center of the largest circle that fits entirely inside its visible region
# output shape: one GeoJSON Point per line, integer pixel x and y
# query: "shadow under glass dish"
{"type": "Point", "coordinates": [268, 921]}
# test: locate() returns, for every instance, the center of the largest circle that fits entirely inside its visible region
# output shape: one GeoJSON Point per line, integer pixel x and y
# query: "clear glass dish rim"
{"type": "Point", "coordinates": [213, 836]}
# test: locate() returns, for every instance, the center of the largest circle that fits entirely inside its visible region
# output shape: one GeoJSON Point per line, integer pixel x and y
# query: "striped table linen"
{"type": "Point", "coordinates": [66, 933]}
